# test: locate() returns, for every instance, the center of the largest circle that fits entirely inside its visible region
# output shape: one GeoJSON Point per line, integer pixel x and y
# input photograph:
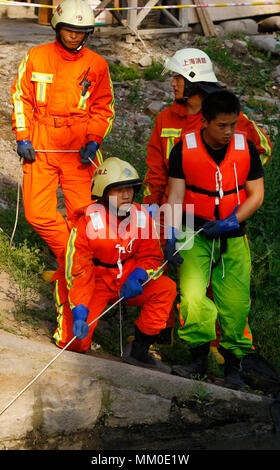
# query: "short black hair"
{"type": "Point", "coordinates": [222, 101]}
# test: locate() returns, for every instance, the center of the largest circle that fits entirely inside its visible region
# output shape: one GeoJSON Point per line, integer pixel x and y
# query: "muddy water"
{"type": "Point", "coordinates": [234, 436]}
{"type": "Point", "coordinates": [269, 442]}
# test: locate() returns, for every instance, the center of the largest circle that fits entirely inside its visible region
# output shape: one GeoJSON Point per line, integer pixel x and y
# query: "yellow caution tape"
{"type": "Point", "coordinates": [156, 7]}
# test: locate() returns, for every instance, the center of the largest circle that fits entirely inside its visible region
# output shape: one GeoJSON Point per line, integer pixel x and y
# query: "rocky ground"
{"type": "Point", "coordinates": [133, 118]}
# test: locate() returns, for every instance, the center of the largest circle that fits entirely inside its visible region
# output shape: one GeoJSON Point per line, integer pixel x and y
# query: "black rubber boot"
{"type": "Point", "coordinates": [164, 339]}
{"type": "Point", "coordinates": [199, 365]}
{"type": "Point", "coordinates": [232, 371]}
{"type": "Point", "coordinates": [137, 353]}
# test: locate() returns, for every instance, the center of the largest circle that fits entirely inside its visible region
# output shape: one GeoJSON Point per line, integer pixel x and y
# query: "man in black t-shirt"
{"type": "Point", "coordinates": [219, 172]}
{"type": "Point", "coordinates": [176, 169]}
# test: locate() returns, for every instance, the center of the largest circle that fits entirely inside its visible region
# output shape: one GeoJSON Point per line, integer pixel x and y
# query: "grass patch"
{"type": "Point", "coordinates": [25, 266]}
{"type": "Point", "coordinates": [155, 72]}
{"type": "Point", "coordinates": [245, 75]}
{"type": "Point", "coordinates": [121, 73]}
{"type": "Point", "coordinates": [24, 261]}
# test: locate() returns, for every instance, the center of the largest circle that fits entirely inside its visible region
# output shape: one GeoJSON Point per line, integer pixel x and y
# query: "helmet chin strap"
{"type": "Point", "coordinates": [73, 51]}
{"type": "Point", "coordinates": [187, 94]}
{"type": "Point", "coordinates": [189, 91]}
{"type": "Point", "coordinates": [182, 100]}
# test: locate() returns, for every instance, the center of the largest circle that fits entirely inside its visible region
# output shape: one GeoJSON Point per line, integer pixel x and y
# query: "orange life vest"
{"type": "Point", "coordinates": [101, 246]}
{"type": "Point", "coordinates": [209, 185]}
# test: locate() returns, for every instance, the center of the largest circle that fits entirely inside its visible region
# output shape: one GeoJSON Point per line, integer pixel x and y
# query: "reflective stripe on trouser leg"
{"type": "Point", "coordinates": [63, 333]}
{"type": "Point", "coordinates": [232, 296]}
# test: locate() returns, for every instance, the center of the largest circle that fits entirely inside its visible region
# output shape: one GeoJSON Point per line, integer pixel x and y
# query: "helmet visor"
{"type": "Point", "coordinates": [75, 28]}
{"type": "Point", "coordinates": [136, 184]}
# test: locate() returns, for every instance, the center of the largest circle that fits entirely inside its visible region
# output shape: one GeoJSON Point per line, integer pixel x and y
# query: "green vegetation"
{"type": "Point", "coordinates": [24, 261]}
{"type": "Point", "coordinates": [120, 73]}
{"type": "Point", "coordinates": [155, 72]}
{"type": "Point", "coordinates": [264, 238]}
{"type": "Point", "coordinates": [245, 75]}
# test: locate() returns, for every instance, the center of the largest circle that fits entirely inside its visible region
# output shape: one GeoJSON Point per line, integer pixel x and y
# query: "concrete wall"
{"type": "Point", "coordinates": [79, 393]}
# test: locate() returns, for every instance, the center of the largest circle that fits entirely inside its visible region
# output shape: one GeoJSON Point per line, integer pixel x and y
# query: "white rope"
{"type": "Point", "coordinates": [57, 151]}
{"type": "Point", "coordinates": [121, 326]}
{"type": "Point", "coordinates": [65, 151]}
{"type": "Point", "coordinates": [211, 262]}
{"type": "Point", "coordinates": [102, 314]}
{"type": "Point", "coordinates": [223, 264]}
{"type": "Point", "coordinates": [17, 206]}
{"type": "Point", "coordinates": [236, 183]}
{"type": "Point", "coordinates": [51, 362]}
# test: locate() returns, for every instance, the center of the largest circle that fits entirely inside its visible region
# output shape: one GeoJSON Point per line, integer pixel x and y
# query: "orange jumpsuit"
{"type": "Point", "coordinates": [52, 108]}
{"type": "Point", "coordinates": [102, 251]}
{"type": "Point", "coordinates": [170, 125]}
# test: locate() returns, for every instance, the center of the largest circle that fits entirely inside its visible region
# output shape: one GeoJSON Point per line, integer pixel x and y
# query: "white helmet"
{"type": "Point", "coordinates": [111, 173]}
{"type": "Point", "coordinates": [76, 15]}
{"type": "Point", "coordinates": [192, 64]}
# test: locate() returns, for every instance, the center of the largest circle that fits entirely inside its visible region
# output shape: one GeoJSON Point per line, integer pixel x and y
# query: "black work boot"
{"type": "Point", "coordinates": [199, 365]}
{"type": "Point", "coordinates": [164, 339]}
{"type": "Point", "coordinates": [232, 371]}
{"type": "Point", "coordinates": [137, 353]}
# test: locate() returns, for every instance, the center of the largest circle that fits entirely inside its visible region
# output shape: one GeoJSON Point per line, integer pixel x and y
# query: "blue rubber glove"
{"type": "Point", "coordinates": [215, 228]}
{"type": "Point", "coordinates": [133, 285]}
{"type": "Point", "coordinates": [80, 326]}
{"type": "Point", "coordinates": [170, 248]}
{"type": "Point", "coordinates": [89, 151]}
{"type": "Point", "coordinates": [25, 150]}
{"type": "Point", "coordinates": [152, 210]}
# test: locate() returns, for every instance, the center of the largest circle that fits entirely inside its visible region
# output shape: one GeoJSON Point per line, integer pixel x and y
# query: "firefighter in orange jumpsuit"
{"type": "Point", "coordinates": [193, 79]}
{"type": "Point", "coordinates": [63, 108]}
{"type": "Point", "coordinates": [112, 250]}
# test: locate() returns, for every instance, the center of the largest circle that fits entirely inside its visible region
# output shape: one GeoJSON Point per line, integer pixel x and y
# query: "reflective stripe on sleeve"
{"type": "Point", "coordinates": [17, 97]}
{"type": "Point", "coordinates": [112, 108]}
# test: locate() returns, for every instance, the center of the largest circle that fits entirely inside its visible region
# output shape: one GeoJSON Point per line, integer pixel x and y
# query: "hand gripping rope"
{"type": "Point", "coordinates": [102, 314]}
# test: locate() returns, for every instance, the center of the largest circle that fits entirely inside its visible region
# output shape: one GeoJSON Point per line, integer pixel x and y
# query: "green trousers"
{"type": "Point", "coordinates": [230, 280]}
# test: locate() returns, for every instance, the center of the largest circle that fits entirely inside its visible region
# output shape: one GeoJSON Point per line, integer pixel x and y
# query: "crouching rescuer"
{"type": "Point", "coordinates": [112, 251]}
